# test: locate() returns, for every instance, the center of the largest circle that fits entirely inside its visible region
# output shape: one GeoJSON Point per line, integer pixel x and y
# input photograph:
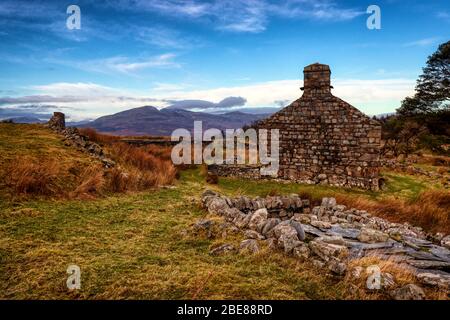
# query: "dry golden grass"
{"type": "Point", "coordinates": [435, 160]}
{"type": "Point", "coordinates": [97, 137]}
{"type": "Point", "coordinates": [91, 183]}
{"type": "Point", "coordinates": [29, 176]}
{"type": "Point", "coordinates": [134, 156]}
{"type": "Point", "coordinates": [143, 167]}
{"type": "Point", "coordinates": [430, 210]}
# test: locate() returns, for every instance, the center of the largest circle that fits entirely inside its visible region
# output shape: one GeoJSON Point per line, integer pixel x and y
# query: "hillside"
{"type": "Point", "coordinates": [37, 162]}
{"type": "Point", "coordinates": [34, 146]}
{"type": "Point", "coordinates": [149, 120]}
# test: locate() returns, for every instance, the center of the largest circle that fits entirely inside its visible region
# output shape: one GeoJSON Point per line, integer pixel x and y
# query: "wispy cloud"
{"type": "Point", "coordinates": [22, 9]}
{"type": "Point", "coordinates": [121, 64]}
{"type": "Point", "coordinates": [164, 37]}
{"type": "Point", "coordinates": [166, 87]}
{"type": "Point", "coordinates": [238, 16]}
{"type": "Point", "coordinates": [316, 10]}
{"type": "Point", "coordinates": [49, 17]}
{"type": "Point", "coordinates": [40, 99]}
{"type": "Point", "coordinates": [422, 42]}
{"type": "Point", "coordinates": [75, 89]}
{"type": "Point", "coordinates": [243, 15]}
{"type": "Point", "coordinates": [161, 61]}
{"type": "Point", "coordinates": [443, 15]}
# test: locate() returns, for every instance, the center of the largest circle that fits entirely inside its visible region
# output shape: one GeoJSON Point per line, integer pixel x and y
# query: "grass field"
{"type": "Point", "coordinates": [134, 245]}
{"type": "Point", "coordinates": [131, 246]}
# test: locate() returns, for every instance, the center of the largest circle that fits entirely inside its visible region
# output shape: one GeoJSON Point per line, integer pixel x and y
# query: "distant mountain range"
{"type": "Point", "coordinates": [25, 119]}
{"type": "Point", "coordinates": [149, 120]}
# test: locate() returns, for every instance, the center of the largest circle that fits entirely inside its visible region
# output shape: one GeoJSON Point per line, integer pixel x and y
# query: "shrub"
{"type": "Point", "coordinates": [97, 137]}
{"type": "Point", "coordinates": [91, 183]}
{"type": "Point", "coordinates": [142, 167]}
{"type": "Point", "coordinates": [139, 168]}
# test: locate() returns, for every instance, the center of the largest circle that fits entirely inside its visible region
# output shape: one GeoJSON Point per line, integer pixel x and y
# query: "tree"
{"type": "Point", "coordinates": [433, 86]}
{"type": "Point", "coordinates": [401, 136]}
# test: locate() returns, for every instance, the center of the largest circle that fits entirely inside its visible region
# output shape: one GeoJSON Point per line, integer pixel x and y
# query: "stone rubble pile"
{"type": "Point", "coordinates": [72, 137]}
{"type": "Point", "coordinates": [411, 169]}
{"type": "Point", "coordinates": [331, 235]}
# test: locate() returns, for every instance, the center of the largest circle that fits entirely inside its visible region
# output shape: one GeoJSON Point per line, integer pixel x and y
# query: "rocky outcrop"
{"type": "Point", "coordinates": [57, 121]}
{"type": "Point", "coordinates": [72, 137]}
{"type": "Point", "coordinates": [331, 236]}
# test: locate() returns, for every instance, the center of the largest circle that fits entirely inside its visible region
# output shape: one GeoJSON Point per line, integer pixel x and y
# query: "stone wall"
{"type": "Point", "coordinates": [246, 172]}
{"type": "Point", "coordinates": [72, 137]}
{"type": "Point", "coordinates": [330, 236]}
{"type": "Point", "coordinates": [323, 139]}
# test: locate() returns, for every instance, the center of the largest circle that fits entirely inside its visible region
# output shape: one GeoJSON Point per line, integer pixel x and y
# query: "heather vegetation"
{"type": "Point", "coordinates": [37, 163]}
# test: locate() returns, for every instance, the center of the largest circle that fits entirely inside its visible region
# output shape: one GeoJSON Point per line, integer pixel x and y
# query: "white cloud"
{"type": "Point", "coordinates": [84, 100]}
{"type": "Point", "coordinates": [371, 96]}
{"type": "Point", "coordinates": [374, 92]}
{"type": "Point", "coordinates": [90, 100]}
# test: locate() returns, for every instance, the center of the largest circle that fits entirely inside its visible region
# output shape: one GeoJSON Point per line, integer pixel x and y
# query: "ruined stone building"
{"type": "Point", "coordinates": [323, 139]}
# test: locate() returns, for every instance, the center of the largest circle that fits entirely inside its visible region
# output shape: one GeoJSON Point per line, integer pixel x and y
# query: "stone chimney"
{"type": "Point", "coordinates": [316, 79]}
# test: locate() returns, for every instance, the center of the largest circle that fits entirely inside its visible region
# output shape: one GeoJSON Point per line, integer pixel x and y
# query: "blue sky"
{"type": "Point", "coordinates": [130, 53]}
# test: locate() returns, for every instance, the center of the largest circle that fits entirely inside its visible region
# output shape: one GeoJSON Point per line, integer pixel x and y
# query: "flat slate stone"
{"type": "Point", "coordinates": [441, 252]}
{"type": "Point", "coordinates": [422, 255]}
{"type": "Point", "coordinates": [371, 246]}
{"type": "Point", "coordinates": [396, 251]}
{"type": "Point", "coordinates": [438, 272]}
{"type": "Point", "coordinates": [418, 242]}
{"type": "Point", "coordinates": [350, 233]}
{"type": "Point", "coordinates": [312, 230]}
{"type": "Point", "coordinates": [429, 264]}
{"type": "Point", "coordinates": [394, 258]}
